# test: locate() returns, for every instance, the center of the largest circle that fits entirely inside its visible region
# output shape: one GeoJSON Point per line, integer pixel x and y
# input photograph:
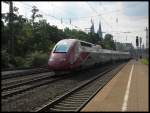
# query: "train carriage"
{"type": "Point", "coordinates": [70, 54]}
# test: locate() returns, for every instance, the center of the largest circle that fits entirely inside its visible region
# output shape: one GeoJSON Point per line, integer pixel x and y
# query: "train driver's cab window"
{"type": "Point", "coordinates": [62, 47]}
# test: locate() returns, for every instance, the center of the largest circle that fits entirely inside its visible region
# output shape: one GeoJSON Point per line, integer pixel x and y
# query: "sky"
{"type": "Point", "coordinates": [124, 20]}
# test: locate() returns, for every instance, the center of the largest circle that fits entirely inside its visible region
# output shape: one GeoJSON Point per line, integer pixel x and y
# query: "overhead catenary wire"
{"type": "Point", "coordinates": [57, 18]}
{"type": "Point", "coordinates": [75, 26]}
{"type": "Point", "coordinates": [114, 11]}
{"type": "Point", "coordinates": [99, 15]}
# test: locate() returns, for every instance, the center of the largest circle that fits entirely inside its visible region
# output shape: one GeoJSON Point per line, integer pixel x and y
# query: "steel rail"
{"type": "Point", "coordinates": [60, 103]}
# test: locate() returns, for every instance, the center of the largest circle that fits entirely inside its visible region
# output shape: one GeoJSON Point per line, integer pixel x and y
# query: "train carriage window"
{"type": "Point", "coordinates": [85, 44]}
{"type": "Point", "coordinates": [77, 50]}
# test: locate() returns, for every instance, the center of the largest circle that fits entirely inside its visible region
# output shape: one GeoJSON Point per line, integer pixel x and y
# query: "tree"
{"type": "Point", "coordinates": [36, 37]}
{"type": "Point", "coordinates": [5, 36]}
{"type": "Point", "coordinates": [109, 42]}
{"type": "Point", "coordinates": [34, 14]}
{"type": "Point", "coordinates": [76, 34]}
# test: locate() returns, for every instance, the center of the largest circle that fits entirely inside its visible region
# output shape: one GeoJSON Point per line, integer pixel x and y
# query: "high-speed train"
{"type": "Point", "coordinates": [69, 54]}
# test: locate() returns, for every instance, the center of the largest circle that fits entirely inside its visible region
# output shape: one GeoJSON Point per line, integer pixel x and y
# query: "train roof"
{"type": "Point", "coordinates": [71, 39]}
{"type": "Point", "coordinates": [94, 45]}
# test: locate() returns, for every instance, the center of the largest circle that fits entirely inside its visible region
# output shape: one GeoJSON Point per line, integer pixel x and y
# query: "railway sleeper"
{"type": "Point", "coordinates": [56, 110]}
{"type": "Point", "coordinates": [65, 107]}
{"type": "Point", "coordinates": [82, 95]}
{"type": "Point", "coordinates": [79, 97]}
{"type": "Point", "coordinates": [74, 100]}
{"type": "Point", "coordinates": [69, 104]}
{"type": "Point", "coordinates": [84, 92]}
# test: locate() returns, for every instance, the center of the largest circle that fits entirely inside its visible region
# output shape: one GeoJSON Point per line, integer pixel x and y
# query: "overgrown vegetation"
{"type": "Point", "coordinates": [34, 38]}
{"type": "Point", "coordinates": [145, 61]}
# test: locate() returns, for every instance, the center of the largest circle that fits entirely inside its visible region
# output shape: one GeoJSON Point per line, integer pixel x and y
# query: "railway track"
{"type": "Point", "coordinates": [75, 99]}
{"type": "Point", "coordinates": [25, 72]}
{"type": "Point", "coordinates": [23, 68]}
{"type": "Point", "coordinates": [6, 85]}
{"type": "Point", "coordinates": [19, 88]}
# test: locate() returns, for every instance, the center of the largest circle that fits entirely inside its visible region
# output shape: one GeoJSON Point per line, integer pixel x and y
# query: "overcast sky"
{"type": "Point", "coordinates": [132, 16]}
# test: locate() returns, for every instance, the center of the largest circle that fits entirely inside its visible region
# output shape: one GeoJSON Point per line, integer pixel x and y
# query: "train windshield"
{"type": "Point", "coordinates": [61, 47]}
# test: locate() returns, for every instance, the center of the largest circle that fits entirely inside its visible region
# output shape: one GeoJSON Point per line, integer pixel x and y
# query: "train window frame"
{"type": "Point", "coordinates": [77, 50]}
{"type": "Point", "coordinates": [84, 44]}
{"type": "Point", "coordinates": [60, 44]}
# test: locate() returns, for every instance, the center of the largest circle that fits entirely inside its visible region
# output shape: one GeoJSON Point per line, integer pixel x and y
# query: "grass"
{"type": "Point", "coordinates": [145, 61]}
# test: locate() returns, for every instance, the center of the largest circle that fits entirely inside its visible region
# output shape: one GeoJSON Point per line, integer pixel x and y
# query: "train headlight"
{"type": "Point", "coordinates": [63, 59]}
{"type": "Point", "coordinates": [51, 59]}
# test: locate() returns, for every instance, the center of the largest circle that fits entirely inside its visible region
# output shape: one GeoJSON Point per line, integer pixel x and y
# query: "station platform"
{"type": "Point", "coordinates": [127, 91]}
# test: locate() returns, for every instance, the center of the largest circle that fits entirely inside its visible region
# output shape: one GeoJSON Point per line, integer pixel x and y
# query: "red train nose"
{"type": "Point", "coordinates": [58, 63]}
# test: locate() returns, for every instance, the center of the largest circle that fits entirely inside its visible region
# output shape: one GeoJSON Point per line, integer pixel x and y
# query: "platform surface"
{"type": "Point", "coordinates": [127, 91]}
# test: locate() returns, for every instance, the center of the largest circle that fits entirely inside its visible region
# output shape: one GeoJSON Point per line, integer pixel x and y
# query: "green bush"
{"type": "Point", "coordinates": [5, 59]}
{"type": "Point", "coordinates": [20, 62]}
{"type": "Point", "coordinates": [37, 58]}
{"type": "Point", "coordinates": [145, 61]}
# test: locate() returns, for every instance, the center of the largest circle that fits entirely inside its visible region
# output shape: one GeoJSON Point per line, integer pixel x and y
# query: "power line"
{"type": "Point", "coordinates": [114, 11]}
{"type": "Point", "coordinates": [93, 15]}
{"type": "Point", "coordinates": [98, 14]}
{"type": "Point", "coordinates": [60, 19]}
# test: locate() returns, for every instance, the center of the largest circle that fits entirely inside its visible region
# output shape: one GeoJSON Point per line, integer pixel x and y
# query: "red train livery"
{"type": "Point", "coordinates": [70, 54]}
